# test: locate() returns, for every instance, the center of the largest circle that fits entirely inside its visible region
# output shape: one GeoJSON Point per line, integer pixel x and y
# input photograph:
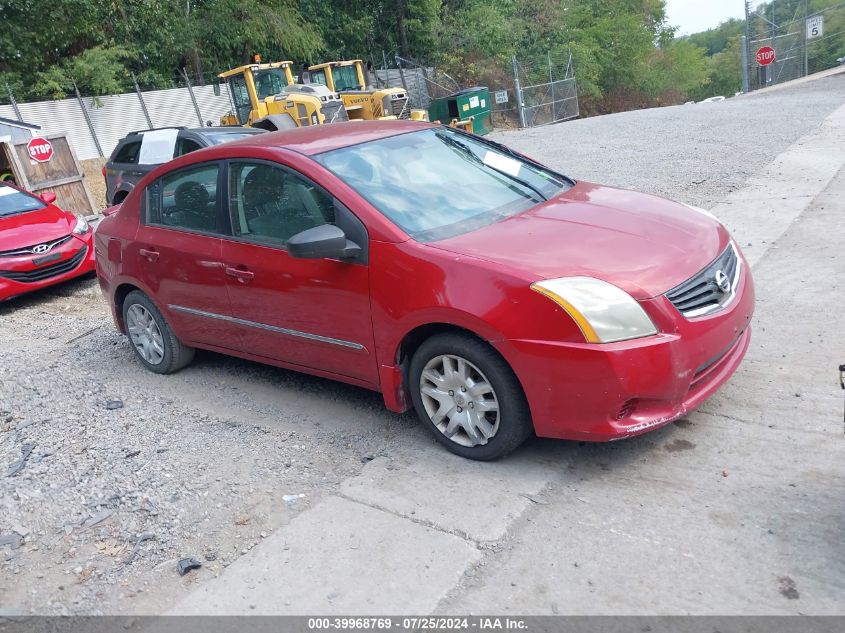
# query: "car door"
{"type": "Point", "coordinates": [309, 312]}
{"type": "Point", "coordinates": [178, 253]}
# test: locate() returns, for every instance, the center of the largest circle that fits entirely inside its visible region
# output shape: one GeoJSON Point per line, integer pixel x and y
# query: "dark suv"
{"type": "Point", "coordinates": [122, 171]}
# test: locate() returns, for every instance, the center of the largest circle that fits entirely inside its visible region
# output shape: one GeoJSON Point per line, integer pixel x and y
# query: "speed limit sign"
{"type": "Point", "coordinates": [815, 26]}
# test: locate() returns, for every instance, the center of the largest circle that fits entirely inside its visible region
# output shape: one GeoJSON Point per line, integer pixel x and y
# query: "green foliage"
{"type": "Point", "coordinates": [96, 71]}
{"type": "Point", "coordinates": [624, 52]}
{"type": "Point", "coordinates": [716, 39]}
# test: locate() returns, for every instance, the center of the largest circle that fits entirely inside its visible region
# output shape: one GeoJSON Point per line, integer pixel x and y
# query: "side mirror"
{"type": "Point", "coordinates": [326, 241]}
{"type": "Point", "coordinates": [48, 196]}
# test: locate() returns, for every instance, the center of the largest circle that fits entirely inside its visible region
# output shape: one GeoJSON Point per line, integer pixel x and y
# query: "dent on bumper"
{"type": "Point", "coordinates": [587, 392]}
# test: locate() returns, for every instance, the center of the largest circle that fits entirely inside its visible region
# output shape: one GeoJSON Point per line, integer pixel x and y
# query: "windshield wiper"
{"type": "Point", "coordinates": [467, 151]}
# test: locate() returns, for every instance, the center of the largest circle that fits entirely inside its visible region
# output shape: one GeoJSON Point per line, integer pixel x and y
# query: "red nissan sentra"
{"type": "Point", "coordinates": [494, 295]}
{"type": "Point", "coordinates": [40, 244]}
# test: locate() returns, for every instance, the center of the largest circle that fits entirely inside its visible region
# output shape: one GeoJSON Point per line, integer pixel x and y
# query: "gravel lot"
{"type": "Point", "coordinates": [130, 471]}
{"type": "Point", "coordinates": [693, 153]}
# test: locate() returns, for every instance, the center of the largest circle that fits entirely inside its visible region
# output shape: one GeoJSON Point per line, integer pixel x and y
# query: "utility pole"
{"type": "Point", "coordinates": [804, 28]}
{"type": "Point", "coordinates": [517, 89]}
{"type": "Point", "coordinates": [744, 43]}
{"type": "Point", "coordinates": [770, 69]}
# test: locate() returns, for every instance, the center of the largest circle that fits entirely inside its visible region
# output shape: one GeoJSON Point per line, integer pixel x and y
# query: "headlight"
{"type": "Point", "coordinates": [81, 225]}
{"type": "Point", "coordinates": [604, 313]}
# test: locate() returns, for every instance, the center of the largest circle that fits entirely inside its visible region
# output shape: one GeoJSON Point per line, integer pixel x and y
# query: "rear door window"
{"type": "Point", "coordinates": [128, 153]}
{"type": "Point", "coordinates": [188, 199]}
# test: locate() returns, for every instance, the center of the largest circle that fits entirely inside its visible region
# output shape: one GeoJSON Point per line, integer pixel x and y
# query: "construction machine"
{"type": "Point", "coordinates": [347, 79]}
{"type": "Point", "coordinates": [266, 96]}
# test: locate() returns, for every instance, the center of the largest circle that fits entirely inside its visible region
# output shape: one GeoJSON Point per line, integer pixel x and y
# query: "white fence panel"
{"type": "Point", "coordinates": [171, 108]}
{"type": "Point", "coordinates": [117, 115]}
{"type": "Point", "coordinates": [58, 117]}
{"type": "Point", "coordinates": [211, 105]}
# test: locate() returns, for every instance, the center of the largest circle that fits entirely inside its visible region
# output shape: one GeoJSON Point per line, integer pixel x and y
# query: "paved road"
{"type": "Point", "coordinates": [739, 508]}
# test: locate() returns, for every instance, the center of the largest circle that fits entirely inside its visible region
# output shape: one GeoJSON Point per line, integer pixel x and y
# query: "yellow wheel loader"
{"type": "Point", "coordinates": [347, 79]}
{"type": "Point", "coordinates": [266, 96]}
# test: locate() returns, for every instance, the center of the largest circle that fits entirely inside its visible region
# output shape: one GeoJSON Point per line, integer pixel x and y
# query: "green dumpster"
{"type": "Point", "coordinates": [461, 105]}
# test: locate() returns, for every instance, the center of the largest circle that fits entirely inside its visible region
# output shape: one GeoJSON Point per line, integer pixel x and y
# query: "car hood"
{"type": "Point", "coordinates": [643, 244]}
{"type": "Point", "coordinates": [33, 227]}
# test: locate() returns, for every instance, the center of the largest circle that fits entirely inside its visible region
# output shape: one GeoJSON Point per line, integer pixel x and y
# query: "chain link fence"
{"type": "Point", "coordinates": [546, 93]}
{"type": "Point", "coordinates": [791, 40]}
{"type": "Point", "coordinates": [524, 92]}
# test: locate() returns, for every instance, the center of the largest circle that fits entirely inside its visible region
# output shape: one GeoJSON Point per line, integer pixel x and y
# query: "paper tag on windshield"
{"type": "Point", "coordinates": [502, 163]}
{"type": "Point", "coordinates": [7, 191]}
{"type": "Point", "coordinates": [157, 147]}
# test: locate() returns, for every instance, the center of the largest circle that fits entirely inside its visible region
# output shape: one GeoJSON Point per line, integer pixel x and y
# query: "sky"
{"type": "Point", "coordinates": [692, 16]}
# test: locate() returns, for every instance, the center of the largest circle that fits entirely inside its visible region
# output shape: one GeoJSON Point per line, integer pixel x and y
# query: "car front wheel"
{"type": "Point", "coordinates": [468, 396]}
{"type": "Point", "coordinates": [152, 339]}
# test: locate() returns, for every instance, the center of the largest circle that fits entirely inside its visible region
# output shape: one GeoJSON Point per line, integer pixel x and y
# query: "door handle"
{"type": "Point", "coordinates": [243, 276]}
{"type": "Point", "coordinates": [151, 255]}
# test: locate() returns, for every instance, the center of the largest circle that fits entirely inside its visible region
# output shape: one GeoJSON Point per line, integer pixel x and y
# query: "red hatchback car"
{"type": "Point", "coordinates": [491, 293]}
{"type": "Point", "coordinates": [40, 244]}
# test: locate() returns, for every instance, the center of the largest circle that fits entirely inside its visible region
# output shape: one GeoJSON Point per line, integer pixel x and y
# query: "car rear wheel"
{"type": "Point", "coordinates": [468, 397]}
{"type": "Point", "coordinates": [152, 339]}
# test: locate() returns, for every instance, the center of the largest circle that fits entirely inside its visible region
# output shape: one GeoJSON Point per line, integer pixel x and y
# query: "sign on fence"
{"type": "Point", "coordinates": [40, 150]}
{"type": "Point", "coordinates": [765, 55]}
{"type": "Point", "coordinates": [501, 96]}
{"type": "Point", "coordinates": [815, 26]}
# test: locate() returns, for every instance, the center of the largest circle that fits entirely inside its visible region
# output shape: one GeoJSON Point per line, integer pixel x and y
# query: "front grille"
{"type": "Point", "coordinates": [702, 294]}
{"type": "Point", "coordinates": [40, 274]}
{"type": "Point", "coordinates": [399, 108]}
{"type": "Point", "coordinates": [28, 250]}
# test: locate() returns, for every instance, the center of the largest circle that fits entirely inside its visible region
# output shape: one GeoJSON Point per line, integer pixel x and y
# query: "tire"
{"type": "Point", "coordinates": [163, 353]}
{"type": "Point", "coordinates": [502, 414]}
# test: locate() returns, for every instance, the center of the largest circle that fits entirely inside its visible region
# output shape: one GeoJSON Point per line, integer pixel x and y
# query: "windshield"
{"type": "Point", "coordinates": [13, 201]}
{"type": "Point", "coordinates": [438, 183]}
{"type": "Point", "coordinates": [345, 78]}
{"type": "Point", "coordinates": [269, 82]}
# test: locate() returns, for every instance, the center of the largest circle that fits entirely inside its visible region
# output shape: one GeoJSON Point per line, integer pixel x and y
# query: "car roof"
{"type": "Point", "coordinates": [323, 138]}
{"type": "Point", "coordinates": [220, 129]}
{"type": "Point", "coordinates": [223, 129]}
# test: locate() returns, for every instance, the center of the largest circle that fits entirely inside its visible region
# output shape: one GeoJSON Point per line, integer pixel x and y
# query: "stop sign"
{"type": "Point", "coordinates": [766, 55]}
{"type": "Point", "coordinates": [40, 150]}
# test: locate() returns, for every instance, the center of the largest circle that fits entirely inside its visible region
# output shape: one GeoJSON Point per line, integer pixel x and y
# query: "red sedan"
{"type": "Point", "coordinates": [40, 244]}
{"type": "Point", "coordinates": [494, 295]}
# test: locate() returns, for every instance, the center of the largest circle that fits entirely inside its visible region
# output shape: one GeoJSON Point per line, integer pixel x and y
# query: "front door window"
{"type": "Point", "coordinates": [269, 204]}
